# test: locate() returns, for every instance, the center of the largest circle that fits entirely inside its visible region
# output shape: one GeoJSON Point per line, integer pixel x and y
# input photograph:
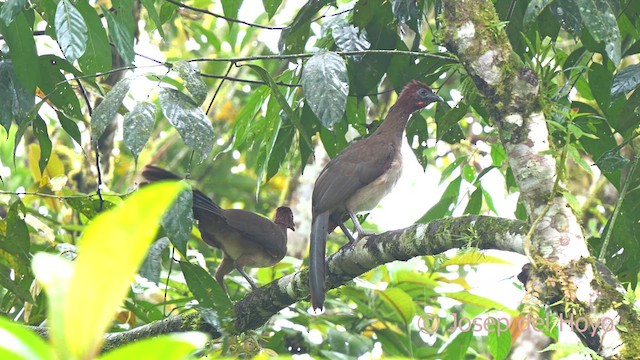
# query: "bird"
{"type": "Point", "coordinates": [245, 238]}
{"type": "Point", "coordinates": [357, 179]}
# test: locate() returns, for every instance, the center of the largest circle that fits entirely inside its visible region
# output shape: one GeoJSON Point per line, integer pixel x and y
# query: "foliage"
{"type": "Point", "coordinates": [195, 83]}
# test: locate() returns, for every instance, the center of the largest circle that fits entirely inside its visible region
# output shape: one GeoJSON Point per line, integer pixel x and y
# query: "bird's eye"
{"type": "Point", "coordinates": [423, 93]}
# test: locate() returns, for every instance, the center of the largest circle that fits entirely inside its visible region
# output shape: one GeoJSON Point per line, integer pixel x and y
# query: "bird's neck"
{"type": "Point", "coordinates": [395, 122]}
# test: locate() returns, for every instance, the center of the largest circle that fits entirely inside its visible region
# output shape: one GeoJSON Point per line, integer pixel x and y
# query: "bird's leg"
{"type": "Point", "coordinates": [223, 269]}
{"type": "Point", "coordinates": [356, 223]}
{"type": "Point", "coordinates": [344, 229]}
{"type": "Point", "coordinates": [241, 271]}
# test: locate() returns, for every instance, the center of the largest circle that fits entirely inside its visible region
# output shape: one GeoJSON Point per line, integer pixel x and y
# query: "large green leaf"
{"type": "Point", "coordinates": [192, 123]}
{"type": "Point", "coordinates": [230, 8]}
{"type": "Point", "coordinates": [152, 264]}
{"type": "Point", "coordinates": [22, 49]}
{"type": "Point", "coordinates": [71, 30]}
{"type": "Point", "coordinates": [625, 80]}
{"type": "Point", "coordinates": [326, 86]}
{"type": "Point", "coordinates": [106, 112]}
{"type": "Point", "coordinates": [15, 100]}
{"type": "Point", "coordinates": [95, 58]}
{"type": "Point", "coordinates": [193, 82]}
{"type": "Point", "coordinates": [534, 9]}
{"type": "Point", "coordinates": [247, 114]}
{"type": "Point", "coordinates": [19, 342]}
{"type": "Point", "coordinates": [178, 221]}
{"type": "Point", "coordinates": [150, 6]}
{"type": "Point", "coordinates": [138, 126]}
{"type": "Point", "coordinates": [121, 35]}
{"type": "Point", "coordinates": [11, 9]}
{"type": "Point", "coordinates": [600, 20]}
{"type": "Point", "coordinates": [294, 37]}
{"type": "Point", "coordinates": [172, 346]}
{"type": "Point", "coordinates": [77, 317]}
{"type": "Point", "coordinates": [53, 83]}
{"type": "Point", "coordinates": [40, 132]}
{"type": "Point", "coordinates": [271, 6]}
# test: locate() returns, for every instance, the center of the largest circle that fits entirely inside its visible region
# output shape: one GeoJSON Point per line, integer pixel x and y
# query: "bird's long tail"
{"type": "Point", "coordinates": [201, 203]}
{"type": "Point", "coordinates": [317, 247]}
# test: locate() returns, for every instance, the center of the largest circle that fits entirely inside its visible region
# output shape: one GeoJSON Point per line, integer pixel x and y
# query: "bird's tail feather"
{"type": "Point", "coordinates": [317, 247]}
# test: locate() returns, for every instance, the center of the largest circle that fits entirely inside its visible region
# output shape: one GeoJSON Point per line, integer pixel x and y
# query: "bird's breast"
{"type": "Point", "coordinates": [370, 195]}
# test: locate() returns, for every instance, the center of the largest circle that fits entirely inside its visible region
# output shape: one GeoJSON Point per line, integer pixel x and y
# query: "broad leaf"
{"type": "Point", "coordinates": [172, 346]}
{"type": "Point", "coordinates": [71, 30]}
{"type": "Point", "coordinates": [11, 9]}
{"type": "Point", "coordinates": [193, 82]}
{"type": "Point", "coordinates": [192, 123]}
{"type": "Point", "coordinates": [294, 37]}
{"type": "Point", "coordinates": [152, 264]}
{"type": "Point", "coordinates": [15, 100]}
{"type": "Point", "coordinates": [95, 58]}
{"type": "Point", "coordinates": [205, 289]}
{"type": "Point", "coordinates": [625, 80]}
{"type": "Point", "coordinates": [326, 86]}
{"type": "Point", "coordinates": [230, 8]}
{"type": "Point", "coordinates": [22, 49]}
{"type": "Point", "coordinates": [104, 113]}
{"type": "Point", "coordinates": [40, 132]}
{"type": "Point", "coordinates": [600, 20]}
{"type": "Point", "coordinates": [138, 126]}
{"type": "Point", "coordinates": [271, 6]}
{"type": "Point", "coordinates": [534, 9]}
{"type": "Point", "coordinates": [178, 221]}
{"type": "Point", "coordinates": [121, 36]}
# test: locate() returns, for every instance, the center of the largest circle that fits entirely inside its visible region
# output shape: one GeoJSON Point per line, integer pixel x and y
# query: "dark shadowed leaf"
{"type": "Point", "coordinates": [178, 221]}
{"type": "Point", "coordinates": [474, 206]}
{"type": "Point", "coordinates": [22, 49]}
{"type": "Point", "coordinates": [89, 207]}
{"type": "Point", "coordinates": [407, 12]}
{"type": "Point", "coordinates": [191, 75]}
{"type": "Point", "coordinates": [18, 234]}
{"type": "Point", "coordinates": [70, 127]}
{"type": "Point", "coordinates": [625, 80]}
{"type": "Point", "coordinates": [204, 288]}
{"type": "Point", "coordinates": [138, 126]}
{"type": "Point", "coordinates": [294, 37]}
{"type": "Point", "coordinates": [121, 36]}
{"type": "Point", "coordinates": [40, 132]}
{"type": "Point", "coordinates": [450, 119]}
{"type": "Point", "coordinates": [280, 150]}
{"type": "Point", "coordinates": [11, 9]}
{"type": "Point", "coordinates": [8, 281]}
{"type": "Point", "coordinates": [15, 100]}
{"type": "Point", "coordinates": [71, 30]}
{"type": "Point", "coordinates": [346, 345]}
{"type": "Point", "coordinates": [94, 59]}
{"type": "Point", "coordinates": [534, 9]}
{"type": "Point", "coordinates": [152, 264]}
{"type": "Point", "coordinates": [192, 123]}
{"type": "Point", "coordinates": [104, 113]}
{"type": "Point", "coordinates": [326, 86]}
{"type": "Point", "coordinates": [568, 15]}
{"type": "Point", "coordinates": [53, 83]}
{"type": "Point", "coordinates": [271, 6]}
{"type": "Point", "coordinates": [600, 20]}
{"type": "Point", "coordinates": [611, 161]}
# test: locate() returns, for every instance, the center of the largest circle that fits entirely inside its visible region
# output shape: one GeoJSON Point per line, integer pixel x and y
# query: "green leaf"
{"type": "Point", "coordinates": [152, 264]}
{"type": "Point", "coordinates": [280, 150]}
{"type": "Point", "coordinates": [150, 5]}
{"type": "Point", "coordinates": [70, 127]}
{"type": "Point", "coordinates": [611, 161]}
{"type": "Point", "coordinates": [600, 84]}
{"type": "Point", "coordinates": [22, 49]}
{"type": "Point", "coordinates": [407, 12]}
{"type": "Point", "coordinates": [275, 91]}
{"type": "Point", "coordinates": [400, 302]}
{"type": "Point", "coordinates": [11, 9]}
{"type": "Point", "coordinates": [71, 30]}
{"type": "Point", "coordinates": [78, 318]}
{"type": "Point", "coordinates": [205, 289]}
{"type": "Point", "coordinates": [450, 119]}
{"type": "Point", "coordinates": [499, 341]}
{"type": "Point", "coordinates": [8, 281]}
{"type": "Point", "coordinates": [456, 349]}
{"type": "Point", "coordinates": [294, 37]}
{"type": "Point", "coordinates": [625, 80]}
{"type": "Point", "coordinates": [95, 58]}
{"type": "Point", "coordinates": [534, 9]}
{"type": "Point", "coordinates": [121, 36]}
{"type": "Point", "coordinates": [193, 82]}
{"type": "Point", "coordinates": [345, 345]}
{"type": "Point", "coordinates": [568, 15]}
{"type": "Point", "coordinates": [466, 297]}
{"type": "Point", "coordinates": [475, 202]}
{"type": "Point", "coordinates": [53, 83]}
{"type": "Point", "coordinates": [18, 242]}
{"type": "Point", "coordinates": [271, 6]}
{"type": "Point", "coordinates": [600, 20]}
{"type": "Point", "coordinates": [178, 221]}
{"type": "Point", "coordinates": [230, 8]}
{"type": "Point", "coordinates": [444, 206]}
{"type": "Point", "coordinates": [348, 37]}
{"type": "Point", "coordinates": [192, 123]}
{"type": "Point", "coordinates": [446, 173]}
{"type": "Point", "coordinates": [326, 86]}
{"type": "Point", "coordinates": [18, 342]}
{"type": "Point", "coordinates": [172, 346]}
{"type": "Point", "coordinates": [248, 112]}
{"type": "Point", "coordinates": [106, 112]}
{"type": "Point", "coordinates": [89, 207]}
{"type": "Point", "coordinates": [15, 100]}
{"type": "Point", "coordinates": [40, 132]}
{"type": "Point", "coordinates": [138, 126]}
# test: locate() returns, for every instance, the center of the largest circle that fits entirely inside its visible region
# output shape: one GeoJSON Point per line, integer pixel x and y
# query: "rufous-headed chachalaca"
{"type": "Point", "coordinates": [245, 238]}
{"type": "Point", "coordinates": [358, 178]}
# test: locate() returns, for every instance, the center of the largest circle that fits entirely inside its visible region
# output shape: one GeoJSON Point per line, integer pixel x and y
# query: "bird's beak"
{"type": "Point", "coordinates": [435, 97]}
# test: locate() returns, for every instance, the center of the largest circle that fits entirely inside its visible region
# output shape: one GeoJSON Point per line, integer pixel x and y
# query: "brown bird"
{"type": "Point", "coordinates": [358, 178]}
{"type": "Point", "coordinates": [245, 238]}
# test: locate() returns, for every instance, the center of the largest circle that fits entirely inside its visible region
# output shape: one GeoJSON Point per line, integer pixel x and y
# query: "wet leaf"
{"type": "Point", "coordinates": [138, 126]}
{"type": "Point", "coordinates": [326, 86]}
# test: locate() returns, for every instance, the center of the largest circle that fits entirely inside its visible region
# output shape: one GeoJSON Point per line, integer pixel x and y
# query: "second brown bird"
{"type": "Point", "coordinates": [245, 238]}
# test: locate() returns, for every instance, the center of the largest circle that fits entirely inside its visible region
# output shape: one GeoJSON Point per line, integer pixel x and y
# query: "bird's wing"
{"type": "Point", "coordinates": [349, 172]}
{"type": "Point", "coordinates": [258, 230]}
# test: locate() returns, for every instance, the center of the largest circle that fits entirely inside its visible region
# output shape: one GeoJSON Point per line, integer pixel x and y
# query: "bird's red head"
{"type": "Point", "coordinates": [418, 95]}
{"type": "Point", "coordinates": [284, 217]}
